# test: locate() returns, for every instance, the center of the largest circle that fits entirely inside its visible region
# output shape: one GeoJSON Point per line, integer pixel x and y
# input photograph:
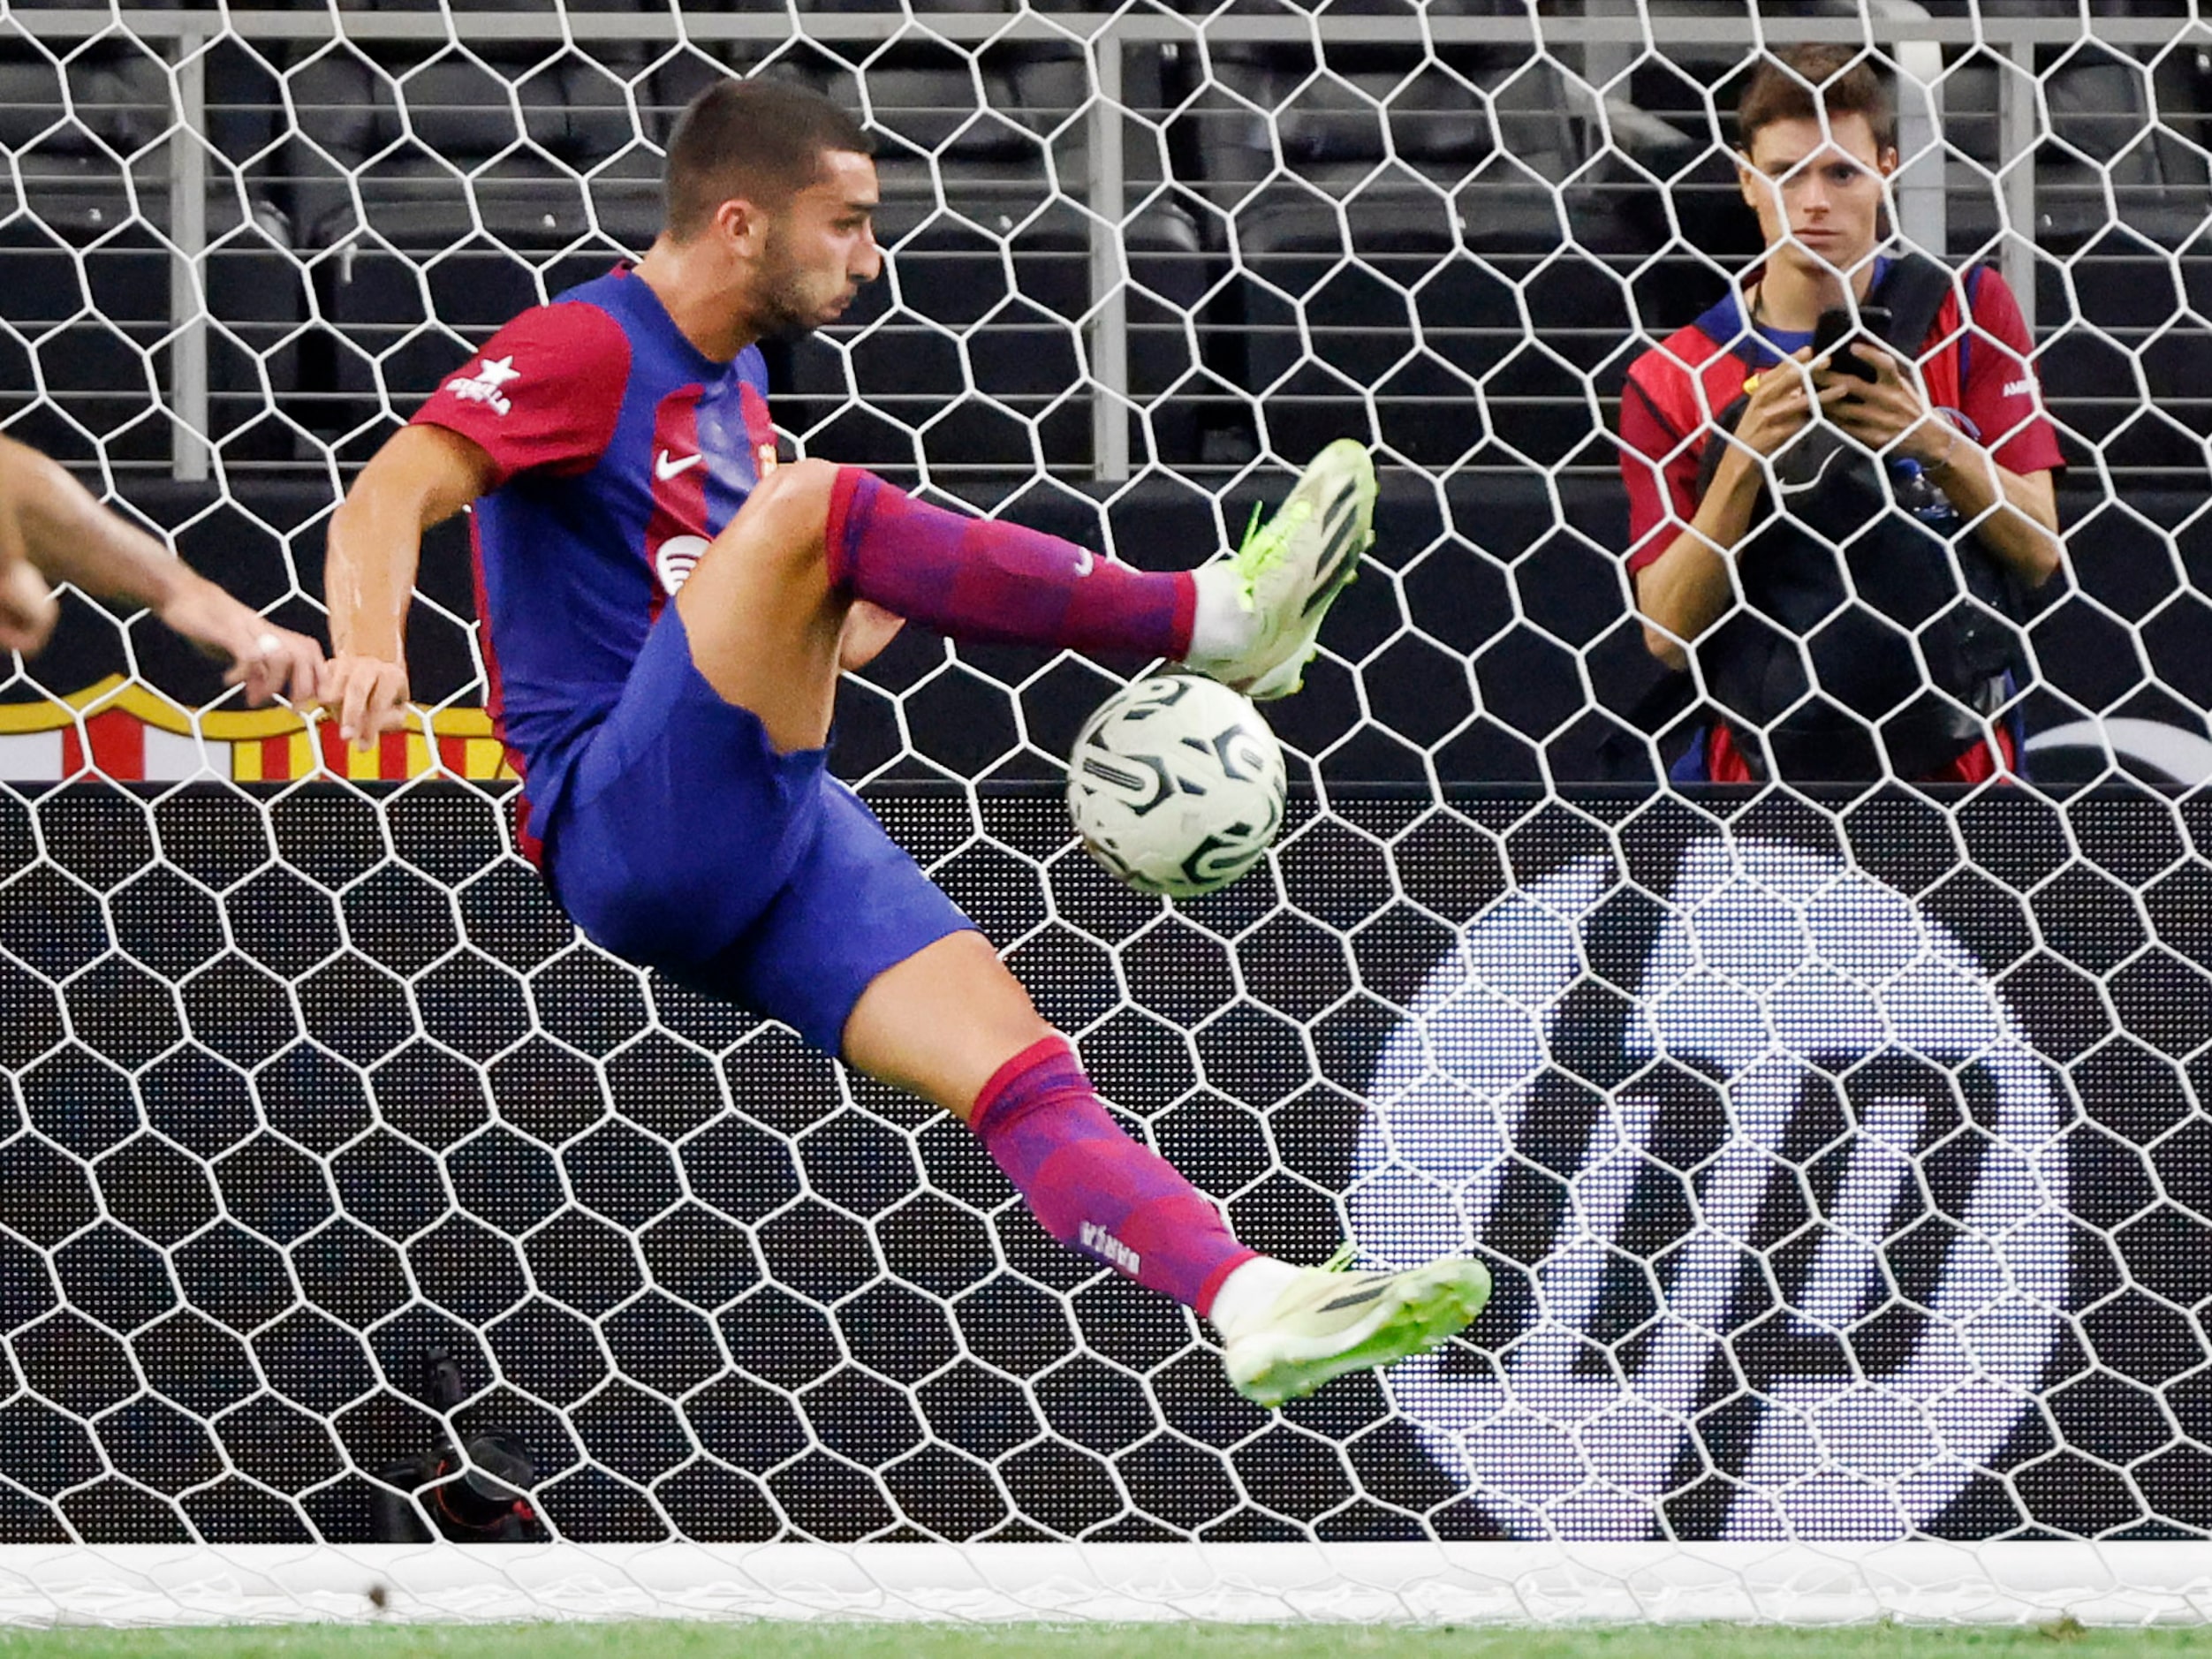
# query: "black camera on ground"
{"type": "Point", "coordinates": [476, 1491]}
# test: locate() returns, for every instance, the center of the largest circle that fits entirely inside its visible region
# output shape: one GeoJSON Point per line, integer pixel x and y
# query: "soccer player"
{"type": "Point", "coordinates": [1967, 412]}
{"type": "Point", "coordinates": [51, 530]}
{"type": "Point", "coordinates": [666, 611]}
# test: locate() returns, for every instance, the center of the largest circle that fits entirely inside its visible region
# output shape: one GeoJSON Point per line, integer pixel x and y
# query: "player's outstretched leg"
{"type": "Point", "coordinates": [1250, 621]}
{"type": "Point", "coordinates": [994, 582]}
{"type": "Point", "coordinates": [1285, 1330]}
{"type": "Point", "coordinates": [952, 1024]}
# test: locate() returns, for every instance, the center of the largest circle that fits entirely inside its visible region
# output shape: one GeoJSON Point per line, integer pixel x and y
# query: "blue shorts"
{"type": "Point", "coordinates": [684, 842]}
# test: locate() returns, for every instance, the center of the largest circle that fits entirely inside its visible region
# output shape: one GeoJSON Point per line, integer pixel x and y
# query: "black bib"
{"type": "Point", "coordinates": [1874, 626]}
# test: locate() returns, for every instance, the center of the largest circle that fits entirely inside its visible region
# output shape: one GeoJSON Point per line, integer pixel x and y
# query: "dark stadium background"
{"type": "Point", "coordinates": [355, 1134]}
{"type": "Point", "coordinates": [243, 1259]}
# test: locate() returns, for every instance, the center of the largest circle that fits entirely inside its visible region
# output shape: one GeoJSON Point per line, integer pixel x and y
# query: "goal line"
{"type": "Point", "coordinates": [1918, 1581]}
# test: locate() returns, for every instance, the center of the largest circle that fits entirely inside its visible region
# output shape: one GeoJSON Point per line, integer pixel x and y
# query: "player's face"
{"type": "Point", "coordinates": [1818, 194]}
{"type": "Point", "coordinates": [819, 249]}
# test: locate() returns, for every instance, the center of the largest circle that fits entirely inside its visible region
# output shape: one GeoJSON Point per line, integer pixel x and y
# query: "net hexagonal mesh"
{"type": "Point", "coordinates": [1837, 1150]}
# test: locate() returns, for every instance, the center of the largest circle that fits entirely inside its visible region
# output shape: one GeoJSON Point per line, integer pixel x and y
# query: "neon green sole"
{"type": "Point", "coordinates": [1428, 1317]}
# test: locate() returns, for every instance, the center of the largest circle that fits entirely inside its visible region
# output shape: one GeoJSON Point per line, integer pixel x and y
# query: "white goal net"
{"type": "Point", "coordinates": [1839, 1152]}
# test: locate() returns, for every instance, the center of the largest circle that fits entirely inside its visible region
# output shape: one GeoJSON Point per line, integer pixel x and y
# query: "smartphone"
{"type": "Point", "coordinates": [1835, 326]}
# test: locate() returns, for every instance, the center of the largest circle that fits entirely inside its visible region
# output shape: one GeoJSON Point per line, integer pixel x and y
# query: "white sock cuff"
{"type": "Point", "coordinates": [1250, 1291]}
{"type": "Point", "coordinates": [1221, 626]}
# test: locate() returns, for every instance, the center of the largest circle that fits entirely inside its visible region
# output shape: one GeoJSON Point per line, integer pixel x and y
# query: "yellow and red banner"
{"type": "Point", "coordinates": [125, 731]}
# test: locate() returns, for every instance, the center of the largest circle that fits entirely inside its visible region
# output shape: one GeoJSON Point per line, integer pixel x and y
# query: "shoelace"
{"type": "Point", "coordinates": [1263, 542]}
{"type": "Point", "coordinates": [1252, 525]}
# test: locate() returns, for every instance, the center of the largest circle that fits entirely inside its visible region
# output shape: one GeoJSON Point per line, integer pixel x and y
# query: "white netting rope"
{"type": "Point", "coordinates": [1837, 1152]}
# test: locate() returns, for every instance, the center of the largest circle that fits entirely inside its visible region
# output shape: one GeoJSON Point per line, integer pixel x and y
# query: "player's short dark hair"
{"type": "Point", "coordinates": [1782, 89]}
{"type": "Point", "coordinates": [762, 139]}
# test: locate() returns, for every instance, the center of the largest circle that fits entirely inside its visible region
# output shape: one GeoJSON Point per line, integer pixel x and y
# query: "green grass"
{"type": "Point", "coordinates": [669, 1641]}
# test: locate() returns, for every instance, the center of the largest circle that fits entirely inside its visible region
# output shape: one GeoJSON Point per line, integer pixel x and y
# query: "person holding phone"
{"type": "Point", "coordinates": [1751, 528]}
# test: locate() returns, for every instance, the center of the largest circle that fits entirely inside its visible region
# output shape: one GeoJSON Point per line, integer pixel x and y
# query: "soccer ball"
{"type": "Point", "coordinates": [1176, 785]}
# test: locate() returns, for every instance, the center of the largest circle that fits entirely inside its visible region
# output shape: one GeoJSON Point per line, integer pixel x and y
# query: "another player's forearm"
{"type": "Point", "coordinates": [70, 537]}
{"type": "Point", "coordinates": [1687, 588]}
{"type": "Point", "coordinates": [2022, 531]}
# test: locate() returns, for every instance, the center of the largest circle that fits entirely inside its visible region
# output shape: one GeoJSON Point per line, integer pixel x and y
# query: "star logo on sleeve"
{"type": "Point", "coordinates": [483, 386]}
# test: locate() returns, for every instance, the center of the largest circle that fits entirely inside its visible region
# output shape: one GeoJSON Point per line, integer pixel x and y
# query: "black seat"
{"type": "Point", "coordinates": [1391, 266]}
{"type": "Point", "coordinates": [87, 305]}
{"type": "Point", "coordinates": [968, 352]}
{"type": "Point", "coordinates": [445, 189]}
{"type": "Point", "coordinates": [2126, 274]}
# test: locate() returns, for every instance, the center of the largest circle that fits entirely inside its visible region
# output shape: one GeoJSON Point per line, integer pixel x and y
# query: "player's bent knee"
{"type": "Point", "coordinates": [785, 517]}
{"type": "Point", "coordinates": [807, 482]}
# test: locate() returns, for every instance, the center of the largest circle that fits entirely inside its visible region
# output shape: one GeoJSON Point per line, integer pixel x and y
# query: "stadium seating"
{"type": "Point", "coordinates": [990, 267]}
{"type": "Point", "coordinates": [425, 189]}
{"type": "Point", "coordinates": [86, 306]}
{"type": "Point", "coordinates": [1432, 247]}
{"type": "Point", "coordinates": [1416, 208]}
{"type": "Point", "coordinates": [2120, 204]}
{"type": "Point", "coordinates": [2130, 268]}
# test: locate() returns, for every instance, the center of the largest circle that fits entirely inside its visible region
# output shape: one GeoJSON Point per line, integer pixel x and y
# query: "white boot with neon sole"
{"type": "Point", "coordinates": [1294, 1329]}
{"type": "Point", "coordinates": [1275, 590]}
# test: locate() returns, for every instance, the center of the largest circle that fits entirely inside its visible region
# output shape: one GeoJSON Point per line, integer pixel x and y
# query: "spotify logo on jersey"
{"type": "Point", "coordinates": [1783, 1182]}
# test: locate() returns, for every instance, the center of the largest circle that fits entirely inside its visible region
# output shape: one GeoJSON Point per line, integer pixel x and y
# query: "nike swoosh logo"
{"type": "Point", "coordinates": [665, 468]}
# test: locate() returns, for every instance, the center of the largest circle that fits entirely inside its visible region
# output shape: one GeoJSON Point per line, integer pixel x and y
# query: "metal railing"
{"type": "Point", "coordinates": [1596, 39]}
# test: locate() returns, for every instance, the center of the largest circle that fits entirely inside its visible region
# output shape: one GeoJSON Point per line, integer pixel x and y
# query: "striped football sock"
{"type": "Point", "coordinates": [981, 580]}
{"type": "Point", "coordinates": [1093, 1187]}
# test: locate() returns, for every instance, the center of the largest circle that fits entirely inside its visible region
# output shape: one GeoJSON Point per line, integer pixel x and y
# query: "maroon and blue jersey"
{"type": "Point", "coordinates": [620, 451]}
{"type": "Point", "coordinates": [1977, 363]}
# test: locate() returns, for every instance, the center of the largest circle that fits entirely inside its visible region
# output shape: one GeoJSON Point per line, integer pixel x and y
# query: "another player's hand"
{"type": "Point", "coordinates": [868, 630]}
{"type": "Point", "coordinates": [28, 608]}
{"type": "Point", "coordinates": [266, 660]}
{"type": "Point", "coordinates": [1880, 411]}
{"type": "Point", "coordinates": [368, 694]}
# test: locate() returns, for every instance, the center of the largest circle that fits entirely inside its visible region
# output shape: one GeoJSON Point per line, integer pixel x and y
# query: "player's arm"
{"type": "Point", "coordinates": [51, 530]}
{"type": "Point", "coordinates": [423, 475]}
{"type": "Point", "coordinates": [544, 393]}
